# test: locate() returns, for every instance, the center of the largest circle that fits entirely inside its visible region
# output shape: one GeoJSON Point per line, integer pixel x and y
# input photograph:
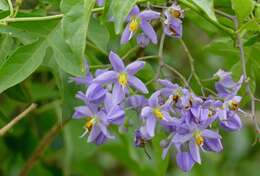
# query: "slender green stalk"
{"type": "Point", "coordinates": [96, 48]}
{"type": "Point", "coordinates": [192, 67]}
{"type": "Point", "coordinates": [240, 45]}
{"type": "Point", "coordinates": [178, 74]}
{"type": "Point", "coordinates": [23, 19]}
{"type": "Point", "coordinates": [130, 51]}
{"type": "Point", "coordinates": [148, 57]}
{"type": "Point", "coordinates": [11, 8]}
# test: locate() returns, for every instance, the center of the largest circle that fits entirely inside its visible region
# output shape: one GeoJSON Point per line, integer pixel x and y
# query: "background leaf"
{"type": "Point", "coordinates": [118, 11]}
{"type": "Point", "coordinates": [75, 24]}
{"type": "Point", "coordinates": [243, 8]}
{"type": "Point", "coordinates": [207, 6]}
{"type": "Point", "coordinates": [21, 64]}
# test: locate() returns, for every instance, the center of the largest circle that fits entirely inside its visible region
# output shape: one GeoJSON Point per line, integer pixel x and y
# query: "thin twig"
{"type": "Point", "coordinates": [96, 48]}
{"type": "Point", "coordinates": [178, 74]}
{"type": "Point", "coordinates": [130, 51]}
{"type": "Point", "coordinates": [11, 8]}
{"type": "Point", "coordinates": [17, 119]}
{"type": "Point", "coordinates": [160, 56]}
{"type": "Point", "coordinates": [243, 65]}
{"type": "Point", "coordinates": [191, 60]}
{"type": "Point", "coordinates": [219, 12]}
{"type": "Point", "coordinates": [148, 57]}
{"type": "Point", "coordinates": [45, 142]}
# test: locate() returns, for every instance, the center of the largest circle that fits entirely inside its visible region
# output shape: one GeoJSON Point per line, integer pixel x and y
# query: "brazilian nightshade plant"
{"type": "Point", "coordinates": [191, 121]}
{"type": "Point", "coordinates": [114, 73]}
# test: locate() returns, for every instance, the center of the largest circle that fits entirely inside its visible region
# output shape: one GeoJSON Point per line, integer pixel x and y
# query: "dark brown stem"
{"type": "Point", "coordinates": [45, 142]}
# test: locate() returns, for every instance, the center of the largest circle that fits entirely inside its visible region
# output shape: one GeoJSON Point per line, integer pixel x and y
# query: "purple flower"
{"type": "Point", "coordinates": [184, 161]}
{"type": "Point", "coordinates": [227, 114]}
{"type": "Point", "coordinates": [155, 112]}
{"type": "Point", "coordinates": [226, 87]}
{"type": "Point", "coordinates": [95, 92]}
{"type": "Point", "coordinates": [195, 139]}
{"type": "Point", "coordinates": [143, 40]}
{"type": "Point", "coordinates": [98, 119]}
{"type": "Point", "coordinates": [138, 19]}
{"type": "Point", "coordinates": [173, 22]}
{"type": "Point", "coordinates": [140, 138]}
{"type": "Point", "coordinates": [137, 102]}
{"type": "Point", "coordinates": [96, 123]}
{"type": "Point", "coordinates": [100, 2]}
{"type": "Point", "coordinates": [122, 77]}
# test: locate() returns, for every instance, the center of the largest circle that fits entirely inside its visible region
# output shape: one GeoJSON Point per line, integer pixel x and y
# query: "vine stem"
{"type": "Point", "coordinates": [10, 18]}
{"type": "Point", "coordinates": [45, 142]}
{"type": "Point", "coordinates": [243, 65]}
{"type": "Point", "coordinates": [148, 57]}
{"type": "Point", "coordinates": [11, 8]}
{"type": "Point", "coordinates": [160, 56]}
{"type": "Point", "coordinates": [17, 119]}
{"type": "Point", "coordinates": [192, 67]}
{"type": "Point", "coordinates": [178, 74]}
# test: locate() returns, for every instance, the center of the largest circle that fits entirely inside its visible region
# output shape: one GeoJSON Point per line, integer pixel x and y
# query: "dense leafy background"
{"type": "Point", "coordinates": [38, 57]}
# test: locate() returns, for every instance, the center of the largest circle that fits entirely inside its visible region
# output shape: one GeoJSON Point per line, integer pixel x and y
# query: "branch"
{"type": "Point", "coordinates": [148, 57]}
{"type": "Point", "coordinates": [11, 8]}
{"type": "Point", "coordinates": [17, 119]}
{"type": "Point", "coordinates": [45, 142]}
{"type": "Point", "coordinates": [160, 56]}
{"type": "Point", "coordinates": [243, 65]}
{"type": "Point", "coordinates": [178, 74]}
{"type": "Point", "coordinates": [191, 60]}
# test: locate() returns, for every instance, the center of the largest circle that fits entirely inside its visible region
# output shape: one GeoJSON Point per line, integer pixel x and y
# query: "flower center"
{"type": "Point", "coordinates": [158, 114]}
{"type": "Point", "coordinates": [133, 26]}
{"type": "Point", "coordinates": [234, 105]}
{"type": "Point", "coordinates": [175, 13]}
{"type": "Point", "coordinates": [198, 138]}
{"type": "Point", "coordinates": [210, 114]}
{"type": "Point", "coordinates": [175, 98]}
{"type": "Point", "coordinates": [122, 79]}
{"type": "Point", "coordinates": [90, 123]}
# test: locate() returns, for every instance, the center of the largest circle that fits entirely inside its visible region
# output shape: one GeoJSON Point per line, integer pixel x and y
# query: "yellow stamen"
{"type": "Point", "coordinates": [133, 26]}
{"type": "Point", "coordinates": [198, 138]}
{"type": "Point", "coordinates": [175, 98]}
{"type": "Point", "coordinates": [210, 114]}
{"type": "Point", "coordinates": [234, 105]}
{"type": "Point", "coordinates": [175, 13]}
{"type": "Point", "coordinates": [89, 124]}
{"type": "Point", "coordinates": [158, 114]}
{"type": "Point", "coordinates": [122, 79]}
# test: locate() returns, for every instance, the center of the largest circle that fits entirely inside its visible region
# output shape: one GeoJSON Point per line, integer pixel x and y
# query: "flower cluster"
{"type": "Point", "coordinates": [172, 22]}
{"type": "Point", "coordinates": [105, 95]}
{"type": "Point", "coordinates": [186, 117]}
{"type": "Point", "coordinates": [192, 122]}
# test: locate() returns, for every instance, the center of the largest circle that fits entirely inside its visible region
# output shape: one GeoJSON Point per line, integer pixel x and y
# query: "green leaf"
{"type": "Point", "coordinates": [243, 8]}
{"type": "Point", "coordinates": [19, 93]}
{"type": "Point", "coordinates": [21, 64]}
{"type": "Point", "coordinates": [75, 24]}
{"type": "Point", "coordinates": [98, 34]}
{"type": "Point", "coordinates": [4, 5]}
{"type": "Point", "coordinates": [118, 10]}
{"type": "Point", "coordinates": [207, 6]}
{"type": "Point", "coordinates": [6, 46]}
{"type": "Point", "coordinates": [51, 35]}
